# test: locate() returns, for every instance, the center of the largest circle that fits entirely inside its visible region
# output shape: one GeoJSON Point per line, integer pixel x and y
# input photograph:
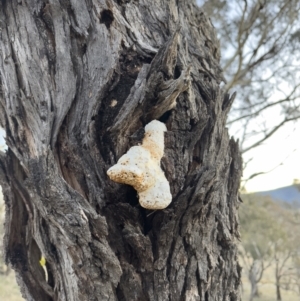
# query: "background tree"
{"type": "Point", "coordinates": [270, 236]}
{"type": "Point", "coordinates": [259, 41]}
{"type": "Point", "coordinates": [259, 231]}
{"type": "Point", "coordinates": [79, 81]}
{"type": "Point", "coordinates": [296, 279]}
{"type": "Point", "coordinates": [286, 249]}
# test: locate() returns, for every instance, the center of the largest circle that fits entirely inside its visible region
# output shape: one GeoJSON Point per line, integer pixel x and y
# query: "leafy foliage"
{"type": "Point", "coordinates": [259, 228]}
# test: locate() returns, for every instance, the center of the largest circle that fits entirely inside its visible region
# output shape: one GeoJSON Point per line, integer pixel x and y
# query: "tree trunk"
{"type": "Point", "coordinates": [278, 292]}
{"type": "Point", "coordinates": [253, 283]}
{"type": "Point", "coordinates": [254, 276]}
{"type": "Point", "coordinates": [79, 81]}
{"type": "Point", "coordinates": [277, 276]}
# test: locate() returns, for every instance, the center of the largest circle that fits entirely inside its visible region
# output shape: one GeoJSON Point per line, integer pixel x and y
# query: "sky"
{"type": "Point", "coordinates": [283, 147]}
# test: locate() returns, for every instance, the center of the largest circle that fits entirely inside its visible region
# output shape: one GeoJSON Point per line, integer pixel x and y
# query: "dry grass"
{"type": "Point", "coordinates": [268, 293]}
{"type": "Point", "coordinates": [9, 290]}
{"type": "Point", "coordinates": [267, 289]}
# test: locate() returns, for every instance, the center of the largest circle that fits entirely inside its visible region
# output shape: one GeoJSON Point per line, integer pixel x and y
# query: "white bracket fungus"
{"type": "Point", "coordinates": [140, 168]}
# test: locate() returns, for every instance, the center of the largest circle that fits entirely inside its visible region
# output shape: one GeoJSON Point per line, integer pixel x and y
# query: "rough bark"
{"type": "Point", "coordinates": [79, 80]}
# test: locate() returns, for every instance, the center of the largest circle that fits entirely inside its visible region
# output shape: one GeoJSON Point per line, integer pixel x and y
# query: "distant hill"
{"type": "Point", "coordinates": [288, 194]}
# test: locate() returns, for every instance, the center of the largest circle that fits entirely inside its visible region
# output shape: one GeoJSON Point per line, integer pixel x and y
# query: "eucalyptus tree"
{"type": "Point", "coordinates": [260, 58]}
{"type": "Point", "coordinates": [79, 81]}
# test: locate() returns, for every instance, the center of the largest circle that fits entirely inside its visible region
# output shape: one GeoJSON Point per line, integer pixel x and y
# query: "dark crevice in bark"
{"type": "Point", "coordinates": [18, 72]}
{"type": "Point", "coordinates": [206, 296]}
{"type": "Point", "coordinates": [148, 216]}
{"type": "Point", "coordinates": [227, 102]}
{"type": "Point", "coordinates": [69, 170]}
{"type": "Point", "coordinates": [165, 117]}
{"type": "Point", "coordinates": [119, 293]}
{"type": "Point", "coordinates": [107, 18]}
{"type": "Point", "coordinates": [79, 47]}
{"type": "Point", "coordinates": [122, 82]}
{"type": "Point", "coordinates": [177, 72]}
{"type": "Point", "coordinates": [52, 250]}
{"type": "Point", "coordinates": [204, 92]}
{"type": "Point", "coordinates": [66, 4]}
{"type": "Point", "coordinates": [45, 27]}
{"type": "Point", "coordinates": [121, 2]}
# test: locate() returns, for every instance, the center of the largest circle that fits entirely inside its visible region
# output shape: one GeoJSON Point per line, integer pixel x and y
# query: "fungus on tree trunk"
{"type": "Point", "coordinates": [140, 168]}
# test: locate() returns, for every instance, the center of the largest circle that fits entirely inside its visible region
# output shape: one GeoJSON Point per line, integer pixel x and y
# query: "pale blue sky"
{"type": "Point", "coordinates": [283, 146]}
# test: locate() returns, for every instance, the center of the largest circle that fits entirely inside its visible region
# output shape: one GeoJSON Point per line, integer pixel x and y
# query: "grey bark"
{"type": "Point", "coordinates": [79, 80]}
